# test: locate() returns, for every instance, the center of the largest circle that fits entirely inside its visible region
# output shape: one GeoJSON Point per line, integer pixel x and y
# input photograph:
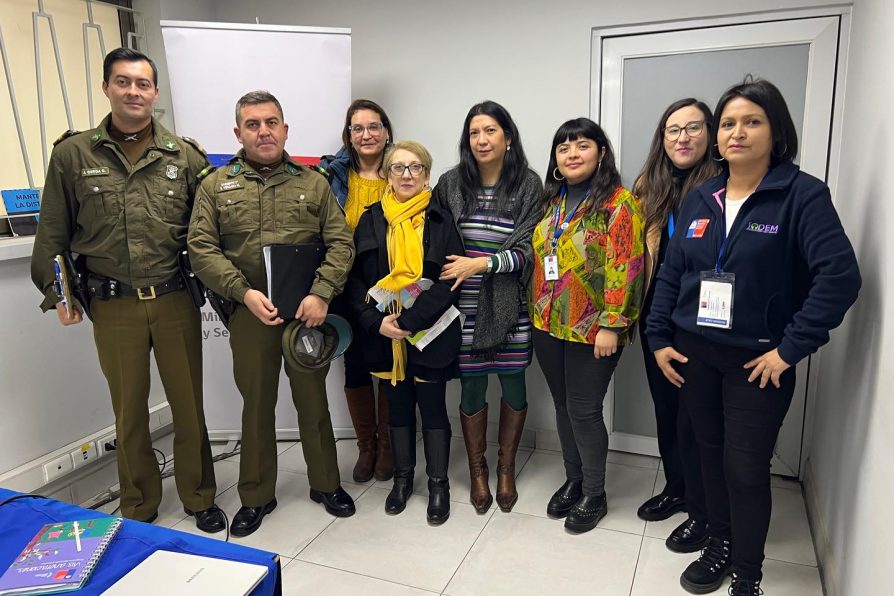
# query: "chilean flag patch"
{"type": "Point", "coordinates": [697, 228]}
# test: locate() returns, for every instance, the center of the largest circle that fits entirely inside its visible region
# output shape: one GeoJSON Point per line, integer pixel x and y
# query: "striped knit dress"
{"type": "Point", "coordinates": [483, 233]}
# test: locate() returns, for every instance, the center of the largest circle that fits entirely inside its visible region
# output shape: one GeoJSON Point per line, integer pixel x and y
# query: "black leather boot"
{"type": "Point", "coordinates": [564, 499]}
{"type": "Point", "coordinates": [745, 587]}
{"type": "Point", "coordinates": [403, 447]}
{"type": "Point", "coordinates": [707, 573]}
{"type": "Point", "coordinates": [437, 457]}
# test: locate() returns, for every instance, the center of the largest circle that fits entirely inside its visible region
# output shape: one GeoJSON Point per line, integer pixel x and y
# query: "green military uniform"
{"type": "Point", "coordinates": [237, 212]}
{"type": "Point", "coordinates": [129, 221]}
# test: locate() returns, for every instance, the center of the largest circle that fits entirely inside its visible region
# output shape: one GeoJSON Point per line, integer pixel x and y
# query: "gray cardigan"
{"type": "Point", "coordinates": [501, 294]}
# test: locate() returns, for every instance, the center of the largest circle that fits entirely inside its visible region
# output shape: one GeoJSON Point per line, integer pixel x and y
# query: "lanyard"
{"type": "Point", "coordinates": [722, 203]}
{"type": "Point", "coordinates": [670, 226]}
{"type": "Point", "coordinates": [560, 206]}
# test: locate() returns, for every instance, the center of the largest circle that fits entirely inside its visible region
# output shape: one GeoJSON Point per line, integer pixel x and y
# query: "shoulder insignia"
{"type": "Point", "coordinates": [235, 169]}
{"type": "Point", "coordinates": [169, 144]}
{"type": "Point", "coordinates": [96, 136]}
{"type": "Point", "coordinates": [291, 169]}
{"type": "Point", "coordinates": [201, 175]}
{"type": "Point", "coordinates": [195, 144]}
{"type": "Point", "coordinates": [65, 135]}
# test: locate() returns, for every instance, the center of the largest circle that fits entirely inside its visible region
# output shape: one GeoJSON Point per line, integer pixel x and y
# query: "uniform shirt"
{"type": "Point", "coordinates": [601, 271]}
{"type": "Point", "coordinates": [362, 192]}
{"type": "Point", "coordinates": [128, 220]}
{"type": "Point", "coordinates": [238, 211]}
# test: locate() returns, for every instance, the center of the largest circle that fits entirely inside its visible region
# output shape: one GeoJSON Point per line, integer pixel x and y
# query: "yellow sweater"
{"type": "Point", "coordinates": [362, 192]}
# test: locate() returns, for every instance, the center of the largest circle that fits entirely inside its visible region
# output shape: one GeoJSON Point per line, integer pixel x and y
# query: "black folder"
{"type": "Point", "coordinates": [291, 270]}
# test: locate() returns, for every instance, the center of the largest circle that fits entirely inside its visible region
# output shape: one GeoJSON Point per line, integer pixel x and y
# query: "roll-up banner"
{"type": "Point", "coordinates": [211, 65]}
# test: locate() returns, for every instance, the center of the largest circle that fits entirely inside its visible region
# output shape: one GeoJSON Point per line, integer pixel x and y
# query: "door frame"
{"type": "Point", "coordinates": [646, 445]}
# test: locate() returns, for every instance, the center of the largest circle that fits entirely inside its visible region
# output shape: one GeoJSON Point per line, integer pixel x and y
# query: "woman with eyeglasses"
{"type": "Point", "coordinates": [677, 162]}
{"type": "Point", "coordinates": [584, 301]}
{"type": "Point", "coordinates": [402, 242]}
{"type": "Point", "coordinates": [757, 273]}
{"type": "Point", "coordinates": [357, 178]}
{"type": "Point", "coordinates": [495, 199]}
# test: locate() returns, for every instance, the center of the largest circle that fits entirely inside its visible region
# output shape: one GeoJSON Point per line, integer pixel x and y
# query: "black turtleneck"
{"type": "Point", "coordinates": [576, 194]}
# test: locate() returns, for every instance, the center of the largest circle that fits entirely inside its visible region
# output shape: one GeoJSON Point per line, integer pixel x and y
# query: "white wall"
{"type": "Point", "coordinates": [850, 478]}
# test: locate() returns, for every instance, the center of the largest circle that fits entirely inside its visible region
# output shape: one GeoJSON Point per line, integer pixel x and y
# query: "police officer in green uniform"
{"type": "Point", "coordinates": [262, 197]}
{"type": "Point", "coordinates": [121, 195]}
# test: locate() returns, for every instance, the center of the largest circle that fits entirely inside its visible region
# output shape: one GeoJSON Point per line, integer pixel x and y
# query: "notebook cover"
{"type": "Point", "coordinates": [51, 561]}
{"type": "Point", "coordinates": [293, 269]}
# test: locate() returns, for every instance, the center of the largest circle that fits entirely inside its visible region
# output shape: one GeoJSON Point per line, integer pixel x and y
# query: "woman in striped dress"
{"type": "Point", "coordinates": [494, 198]}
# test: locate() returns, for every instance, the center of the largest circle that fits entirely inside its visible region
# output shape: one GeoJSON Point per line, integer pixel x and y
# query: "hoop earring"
{"type": "Point", "coordinates": [556, 176]}
{"type": "Point", "coordinates": [781, 153]}
{"type": "Point", "coordinates": [718, 153]}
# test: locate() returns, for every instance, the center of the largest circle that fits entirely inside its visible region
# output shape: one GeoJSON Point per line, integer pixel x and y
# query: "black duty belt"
{"type": "Point", "coordinates": [105, 287]}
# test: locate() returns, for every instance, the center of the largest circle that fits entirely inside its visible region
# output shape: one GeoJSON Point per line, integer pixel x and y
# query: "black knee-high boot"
{"type": "Point", "coordinates": [403, 446]}
{"type": "Point", "coordinates": [437, 457]}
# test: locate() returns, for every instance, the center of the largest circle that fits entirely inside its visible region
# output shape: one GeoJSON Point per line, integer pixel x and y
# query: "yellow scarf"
{"type": "Point", "coordinates": [405, 223]}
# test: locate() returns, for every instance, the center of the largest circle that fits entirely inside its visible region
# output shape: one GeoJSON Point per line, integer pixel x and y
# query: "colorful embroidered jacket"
{"type": "Point", "coordinates": [601, 272]}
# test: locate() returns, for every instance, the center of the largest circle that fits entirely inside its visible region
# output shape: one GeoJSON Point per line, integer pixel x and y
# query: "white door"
{"type": "Point", "coordinates": [636, 76]}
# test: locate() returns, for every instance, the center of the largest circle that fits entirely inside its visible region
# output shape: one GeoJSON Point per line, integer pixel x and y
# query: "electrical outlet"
{"type": "Point", "coordinates": [58, 467]}
{"type": "Point", "coordinates": [106, 444]}
{"type": "Point", "coordinates": [83, 454]}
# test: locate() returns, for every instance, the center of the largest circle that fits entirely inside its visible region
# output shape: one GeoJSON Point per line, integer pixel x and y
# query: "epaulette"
{"type": "Point", "coordinates": [195, 144]}
{"type": "Point", "coordinates": [201, 175]}
{"type": "Point", "coordinates": [65, 135]}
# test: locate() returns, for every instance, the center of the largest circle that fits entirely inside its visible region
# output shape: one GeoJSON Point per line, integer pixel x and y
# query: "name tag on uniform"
{"type": "Point", "coordinates": [229, 185]}
{"type": "Point", "coordinates": [715, 300]}
{"type": "Point", "coordinates": [95, 172]}
{"type": "Point", "coordinates": [551, 268]}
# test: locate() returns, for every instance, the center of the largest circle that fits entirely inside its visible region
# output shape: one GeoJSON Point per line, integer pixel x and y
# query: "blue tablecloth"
{"type": "Point", "coordinates": [21, 519]}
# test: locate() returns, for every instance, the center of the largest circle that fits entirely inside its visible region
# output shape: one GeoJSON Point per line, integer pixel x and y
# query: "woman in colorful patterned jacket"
{"type": "Point", "coordinates": [584, 300]}
{"type": "Point", "coordinates": [495, 199]}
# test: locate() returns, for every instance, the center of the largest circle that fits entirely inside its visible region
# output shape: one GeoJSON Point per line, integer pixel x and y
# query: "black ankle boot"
{"type": "Point", "coordinates": [437, 457]}
{"type": "Point", "coordinates": [403, 447]}
{"type": "Point", "coordinates": [706, 574]}
{"type": "Point", "coordinates": [745, 587]}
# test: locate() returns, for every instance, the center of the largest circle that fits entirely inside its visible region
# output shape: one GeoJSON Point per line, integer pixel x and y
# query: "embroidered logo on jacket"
{"type": "Point", "coordinates": [697, 228]}
{"type": "Point", "coordinates": [763, 228]}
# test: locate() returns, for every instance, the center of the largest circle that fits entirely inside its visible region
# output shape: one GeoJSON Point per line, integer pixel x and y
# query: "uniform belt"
{"type": "Point", "coordinates": [117, 289]}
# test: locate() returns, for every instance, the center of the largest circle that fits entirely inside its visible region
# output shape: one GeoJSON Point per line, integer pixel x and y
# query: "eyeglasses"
{"type": "Point", "coordinates": [693, 129]}
{"type": "Point", "coordinates": [375, 129]}
{"type": "Point", "coordinates": [398, 169]}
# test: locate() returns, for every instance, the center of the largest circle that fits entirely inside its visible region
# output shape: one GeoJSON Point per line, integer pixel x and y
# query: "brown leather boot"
{"type": "Point", "coordinates": [475, 435]}
{"type": "Point", "coordinates": [512, 422]}
{"type": "Point", "coordinates": [384, 458]}
{"type": "Point", "coordinates": [362, 407]}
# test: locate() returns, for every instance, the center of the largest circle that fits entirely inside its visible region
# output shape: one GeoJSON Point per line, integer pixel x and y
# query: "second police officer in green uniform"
{"type": "Point", "coordinates": [121, 196]}
{"type": "Point", "coordinates": [262, 197]}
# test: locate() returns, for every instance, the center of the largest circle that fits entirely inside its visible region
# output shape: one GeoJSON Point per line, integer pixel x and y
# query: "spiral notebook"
{"type": "Point", "coordinates": [60, 557]}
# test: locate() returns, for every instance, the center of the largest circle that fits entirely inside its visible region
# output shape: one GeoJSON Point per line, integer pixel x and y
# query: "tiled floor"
{"type": "Point", "coordinates": [522, 552]}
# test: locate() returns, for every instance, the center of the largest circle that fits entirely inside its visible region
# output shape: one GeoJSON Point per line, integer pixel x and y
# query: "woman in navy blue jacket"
{"type": "Point", "coordinates": [757, 273]}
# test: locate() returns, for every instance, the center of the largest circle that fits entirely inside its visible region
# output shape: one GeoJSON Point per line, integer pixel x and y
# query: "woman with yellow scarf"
{"type": "Point", "coordinates": [402, 242]}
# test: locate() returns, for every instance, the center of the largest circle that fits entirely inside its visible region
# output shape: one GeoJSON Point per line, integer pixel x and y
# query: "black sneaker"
{"type": "Point", "coordinates": [745, 587]}
{"type": "Point", "coordinates": [707, 573]}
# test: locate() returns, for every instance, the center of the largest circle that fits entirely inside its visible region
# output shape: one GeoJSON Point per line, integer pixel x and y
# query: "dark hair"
{"type": "Point", "coordinates": [605, 179]}
{"type": "Point", "coordinates": [253, 98]}
{"type": "Point", "coordinates": [515, 164]}
{"type": "Point", "coordinates": [128, 55]}
{"type": "Point", "coordinates": [767, 96]}
{"type": "Point", "coordinates": [356, 106]}
{"type": "Point", "coordinates": [655, 184]}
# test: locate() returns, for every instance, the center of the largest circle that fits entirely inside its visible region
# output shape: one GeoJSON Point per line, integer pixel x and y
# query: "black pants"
{"type": "Point", "coordinates": [736, 424]}
{"type": "Point", "coordinates": [430, 397]}
{"type": "Point", "coordinates": [577, 381]}
{"type": "Point", "coordinates": [676, 441]}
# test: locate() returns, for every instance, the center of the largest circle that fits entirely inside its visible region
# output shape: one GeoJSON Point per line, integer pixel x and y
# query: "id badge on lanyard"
{"type": "Point", "coordinates": [551, 261]}
{"type": "Point", "coordinates": [716, 289]}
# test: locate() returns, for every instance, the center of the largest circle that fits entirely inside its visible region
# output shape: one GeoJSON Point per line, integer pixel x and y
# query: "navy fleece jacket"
{"type": "Point", "coordinates": [795, 269]}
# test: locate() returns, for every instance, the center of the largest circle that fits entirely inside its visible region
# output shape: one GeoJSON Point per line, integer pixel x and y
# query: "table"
{"type": "Point", "coordinates": [21, 519]}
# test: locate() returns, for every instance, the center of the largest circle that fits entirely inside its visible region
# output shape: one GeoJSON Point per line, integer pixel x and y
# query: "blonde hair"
{"type": "Point", "coordinates": [413, 147]}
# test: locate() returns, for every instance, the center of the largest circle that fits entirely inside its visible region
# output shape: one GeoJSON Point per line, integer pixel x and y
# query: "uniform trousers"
{"type": "Point", "coordinates": [125, 330]}
{"type": "Point", "coordinates": [578, 381]}
{"type": "Point", "coordinates": [736, 424]}
{"type": "Point", "coordinates": [257, 362]}
{"type": "Point", "coordinates": [676, 441]}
